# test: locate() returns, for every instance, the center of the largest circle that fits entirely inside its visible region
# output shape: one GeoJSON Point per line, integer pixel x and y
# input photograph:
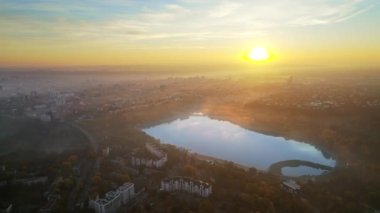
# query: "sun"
{"type": "Point", "coordinates": [258, 54]}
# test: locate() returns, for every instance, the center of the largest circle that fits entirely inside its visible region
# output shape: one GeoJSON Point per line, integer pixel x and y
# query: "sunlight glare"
{"type": "Point", "coordinates": [258, 54]}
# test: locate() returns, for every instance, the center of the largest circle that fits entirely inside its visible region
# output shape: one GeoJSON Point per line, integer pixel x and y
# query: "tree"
{"type": "Point", "coordinates": [206, 207]}
{"type": "Point", "coordinates": [189, 170]}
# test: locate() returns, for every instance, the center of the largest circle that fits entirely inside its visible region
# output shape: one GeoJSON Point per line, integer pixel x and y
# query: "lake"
{"type": "Point", "coordinates": [228, 141]}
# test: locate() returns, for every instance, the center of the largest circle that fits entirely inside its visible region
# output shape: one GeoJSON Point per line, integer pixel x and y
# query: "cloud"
{"type": "Point", "coordinates": [225, 9]}
{"type": "Point", "coordinates": [179, 21]}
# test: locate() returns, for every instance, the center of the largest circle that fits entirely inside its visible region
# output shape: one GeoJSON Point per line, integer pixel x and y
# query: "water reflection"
{"type": "Point", "coordinates": [231, 142]}
{"type": "Point", "coordinates": [301, 170]}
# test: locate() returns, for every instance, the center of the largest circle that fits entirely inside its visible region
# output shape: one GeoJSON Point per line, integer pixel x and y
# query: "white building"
{"type": "Point", "coordinates": [127, 192]}
{"type": "Point", "coordinates": [291, 186]}
{"type": "Point", "coordinates": [106, 151]}
{"type": "Point", "coordinates": [8, 209]}
{"type": "Point", "coordinates": [154, 150]}
{"type": "Point", "coordinates": [44, 117]}
{"type": "Point", "coordinates": [148, 162]}
{"type": "Point", "coordinates": [186, 185]}
{"type": "Point", "coordinates": [114, 199]}
{"type": "Point", "coordinates": [31, 181]}
{"type": "Point", "coordinates": [158, 159]}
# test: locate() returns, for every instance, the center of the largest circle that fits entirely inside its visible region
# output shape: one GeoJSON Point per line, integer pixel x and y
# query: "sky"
{"type": "Point", "coordinates": [342, 33]}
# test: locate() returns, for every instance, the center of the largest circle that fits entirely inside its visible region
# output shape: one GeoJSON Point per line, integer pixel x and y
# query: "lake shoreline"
{"type": "Point", "coordinates": [211, 158]}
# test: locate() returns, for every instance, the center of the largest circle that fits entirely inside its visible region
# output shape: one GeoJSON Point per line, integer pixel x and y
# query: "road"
{"type": "Point", "coordinates": [86, 170]}
{"type": "Point", "coordinates": [93, 142]}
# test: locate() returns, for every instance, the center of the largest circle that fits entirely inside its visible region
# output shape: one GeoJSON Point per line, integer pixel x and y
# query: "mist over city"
{"type": "Point", "coordinates": [177, 106]}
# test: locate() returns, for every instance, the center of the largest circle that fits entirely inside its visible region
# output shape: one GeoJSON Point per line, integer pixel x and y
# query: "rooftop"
{"type": "Point", "coordinates": [112, 194]}
{"type": "Point", "coordinates": [144, 154]}
{"type": "Point", "coordinates": [198, 182]}
{"type": "Point", "coordinates": [125, 186]}
{"type": "Point", "coordinates": [292, 184]}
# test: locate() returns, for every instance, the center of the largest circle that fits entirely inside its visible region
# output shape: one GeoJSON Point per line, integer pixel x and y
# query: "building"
{"type": "Point", "coordinates": [106, 151]}
{"type": "Point", "coordinates": [44, 117]}
{"type": "Point", "coordinates": [51, 201]}
{"type": "Point", "coordinates": [155, 150]}
{"type": "Point", "coordinates": [127, 192]}
{"type": "Point", "coordinates": [114, 199]}
{"type": "Point", "coordinates": [40, 112]}
{"type": "Point", "coordinates": [291, 186]}
{"type": "Point", "coordinates": [32, 181]}
{"type": "Point", "coordinates": [155, 159]}
{"type": "Point", "coordinates": [110, 203]}
{"type": "Point", "coordinates": [186, 184]}
{"type": "Point", "coordinates": [7, 208]}
{"type": "Point", "coordinates": [149, 162]}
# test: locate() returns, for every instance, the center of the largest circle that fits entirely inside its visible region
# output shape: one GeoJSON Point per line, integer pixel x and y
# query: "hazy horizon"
{"type": "Point", "coordinates": [178, 106]}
